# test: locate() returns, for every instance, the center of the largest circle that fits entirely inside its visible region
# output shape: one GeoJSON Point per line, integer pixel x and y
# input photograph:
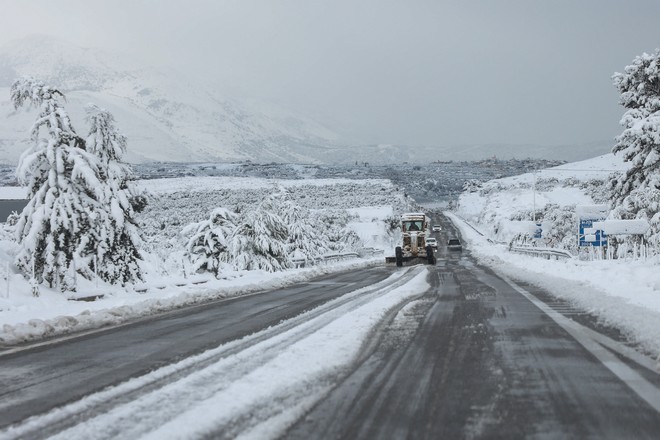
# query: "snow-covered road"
{"type": "Point", "coordinates": [252, 387]}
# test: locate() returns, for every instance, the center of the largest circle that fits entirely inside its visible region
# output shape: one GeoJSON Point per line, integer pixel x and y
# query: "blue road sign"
{"type": "Point", "coordinates": [589, 236]}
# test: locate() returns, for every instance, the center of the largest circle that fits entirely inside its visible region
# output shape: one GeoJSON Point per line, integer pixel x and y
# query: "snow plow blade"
{"type": "Point", "coordinates": [407, 261]}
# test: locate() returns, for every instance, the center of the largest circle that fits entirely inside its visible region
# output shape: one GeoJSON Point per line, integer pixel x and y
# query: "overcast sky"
{"type": "Point", "coordinates": [427, 72]}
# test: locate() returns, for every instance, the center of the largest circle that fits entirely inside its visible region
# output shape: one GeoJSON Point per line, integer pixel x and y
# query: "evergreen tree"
{"type": "Point", "coordinates": [338, 236]}
{"type": "Point", "coordinates": [117, 236]}
{"type": "Point", "coordinates": [559, 226]}
{"type": "Point", "coordinates": [208, 247]}
{"type": "Point", "coordinates": [64, 190]}
{"type": "Point", "coordinates": [304, 233]}
{"type": "Point", "coordinates": [636, 194]}
{"type": "Point", "coordinates": [260, 240]}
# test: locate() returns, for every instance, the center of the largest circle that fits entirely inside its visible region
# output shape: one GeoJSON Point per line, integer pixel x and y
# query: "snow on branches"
{"type": "Point", "coordinates": [208, 246]}
{"type": "Point", "coordinates": [266, 237]}
{"type": "Point", "coordinates": [117, 251]}
{"type": "Point", "coordinates": [77, 208]}
{"type": "Point", "coordinates": [636, 194]}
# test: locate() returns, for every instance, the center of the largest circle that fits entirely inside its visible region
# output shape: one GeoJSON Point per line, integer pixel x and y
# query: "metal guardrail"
{"type": "Point", "coordinates": [365, 252]}
{"type": "Point", "coordinates": [371, 252]}
{"type": "Point", "coordinates": [547, 253]}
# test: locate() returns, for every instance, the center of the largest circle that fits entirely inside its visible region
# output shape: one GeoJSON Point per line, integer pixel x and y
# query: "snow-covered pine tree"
{"type": "Point", "coordinates": [338, 236]}
{"type": "Point", "coordinates": [559, 226]}
{"type": "Point", "coordinates": [305, 234]}
{"type": "Point", "coordinates": [64, 190]}
{"type": "Point", "coordinates": [636, 193]}
{"type": "Point", "coordinates": [208, 246]}
{"type": "Point", "coordinates": [117, 235]}
{"type": "Point", "coordinates": [260, 240]}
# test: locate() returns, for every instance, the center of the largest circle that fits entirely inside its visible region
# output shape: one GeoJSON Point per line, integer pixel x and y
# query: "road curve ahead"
{"type": "Point", "coordinates": [475, 358]}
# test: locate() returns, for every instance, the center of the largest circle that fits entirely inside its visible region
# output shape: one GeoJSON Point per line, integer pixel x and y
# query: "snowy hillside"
{"type": "Point", "coordinates": [504, 207]}
{"type": "Point", "coordinates": [394, 154]}
{"type": "Point", "coordinates": [622, 293]}
{"type": "Point", "coordinates": [165, 116]}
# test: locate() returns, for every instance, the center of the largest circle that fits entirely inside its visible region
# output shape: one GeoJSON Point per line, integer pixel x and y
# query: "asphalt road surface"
{"type": "Point", "coordinates": [479, 360]}
{"type": "Point", "coordinates": [475, 357]}
{"type": "Point", "coordinates": [35, 380]}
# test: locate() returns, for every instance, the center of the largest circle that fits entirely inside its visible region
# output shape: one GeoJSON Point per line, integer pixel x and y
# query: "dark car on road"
{"type": "Point", "coordinates": [454, 244]}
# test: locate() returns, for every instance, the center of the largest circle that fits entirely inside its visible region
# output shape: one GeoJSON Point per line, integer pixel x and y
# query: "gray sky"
{"type": "Point", "coordinates": [428, 72]}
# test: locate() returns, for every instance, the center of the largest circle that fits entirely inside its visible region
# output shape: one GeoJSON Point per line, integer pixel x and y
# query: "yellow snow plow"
{"type": "Point", "coordinates": [413, 249]}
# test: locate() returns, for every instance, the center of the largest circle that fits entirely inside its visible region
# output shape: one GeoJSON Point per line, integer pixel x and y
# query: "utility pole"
{"type": "Point", "coordinates": [534, 197]}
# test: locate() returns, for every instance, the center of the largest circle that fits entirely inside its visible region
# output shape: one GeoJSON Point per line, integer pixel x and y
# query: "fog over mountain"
{"type": "Point", "coordinates": [168, 117]}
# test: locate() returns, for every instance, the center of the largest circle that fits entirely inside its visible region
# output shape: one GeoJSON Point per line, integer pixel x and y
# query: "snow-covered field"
{"type": "Point", "coordinates": [498, 205]}
{"type": "Point", "coordinates": [624, 293]}
{"type": "Point", "coordinates": [170, 281]}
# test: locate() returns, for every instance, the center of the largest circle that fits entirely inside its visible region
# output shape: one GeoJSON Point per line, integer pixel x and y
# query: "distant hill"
{"type": "Point", "coordinates": [393, 154]}
{"type": "Point", "coordinates": [169, 118]}
{"type": "Point", "coordinates": [165, 116]}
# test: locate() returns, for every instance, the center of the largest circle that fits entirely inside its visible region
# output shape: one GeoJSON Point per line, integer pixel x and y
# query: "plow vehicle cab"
{"type": "Point", "coordinates": [413, 249]}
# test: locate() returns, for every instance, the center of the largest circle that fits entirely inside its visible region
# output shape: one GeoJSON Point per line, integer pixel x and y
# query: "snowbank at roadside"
{"type": "Point", "coordinates": [624, 294]}
{"type": "Point", "coordinates": [26, 318]}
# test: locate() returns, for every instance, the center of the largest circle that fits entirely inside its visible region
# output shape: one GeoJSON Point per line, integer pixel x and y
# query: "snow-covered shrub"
{"type": "Point", "coordinates": [527, 214]}
{"type": "Point", "coordinates": [190, 201]}
{"type": "Point", "coordinates": [522, 239]}
{"type": "Point", "coordinates": [598, 190]}
{"type": "Point", "coordinates": [12, 218]}
{"type": "Point", "coordinates": [260, 240]}
{"type": "Point", "coordinates": [337, 234]}
{"type": "Point", "coordinates": [493, 186]}
{"type": "Point", "coordinates": [305, 238]}
{"type": "Point", "coordinates": [546, 184]}
{"type": "Point", "coordinates": [208, 246]}
{"type": "Point", "coordinates": [559, 227]}
{"type": "Point", "coordinates": [392, 223]}
{"type": "Point", "coordinates": [472, 185]}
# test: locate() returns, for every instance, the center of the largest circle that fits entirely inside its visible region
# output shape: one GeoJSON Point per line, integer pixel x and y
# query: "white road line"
{"type": "Point", "coordinates": [592, 341]}
{"type": "Point", "coordinates": [228, 364]}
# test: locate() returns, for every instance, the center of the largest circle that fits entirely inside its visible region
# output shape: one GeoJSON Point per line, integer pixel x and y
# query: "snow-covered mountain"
{"type": "Point", "coordinates": [165, 116]}
{"type": "Point", "coordinates": [168, 117]}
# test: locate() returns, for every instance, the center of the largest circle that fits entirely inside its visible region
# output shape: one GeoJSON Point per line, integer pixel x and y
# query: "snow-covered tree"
{"type": "Point", "coordinates": [260, 240]}
{"type": "Point", "coordinates": [117, 235]}
{"type": "Point", "coordinates": [208, 246]}
{"type": "Point", "coordinates": [559, 226]}
{"type": "Point", "coordinates": [305, 234]}
{"type": "Point", "coordinates": [79, 218]}
{"type": "Point", "coordinates": [64, 189]}
{"type": "Point", "coordinates": [472, 185]}
{"type": "Point", "coordinates": [337, 234]}
{"type": "Point", "coordinates": [636, 193]}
